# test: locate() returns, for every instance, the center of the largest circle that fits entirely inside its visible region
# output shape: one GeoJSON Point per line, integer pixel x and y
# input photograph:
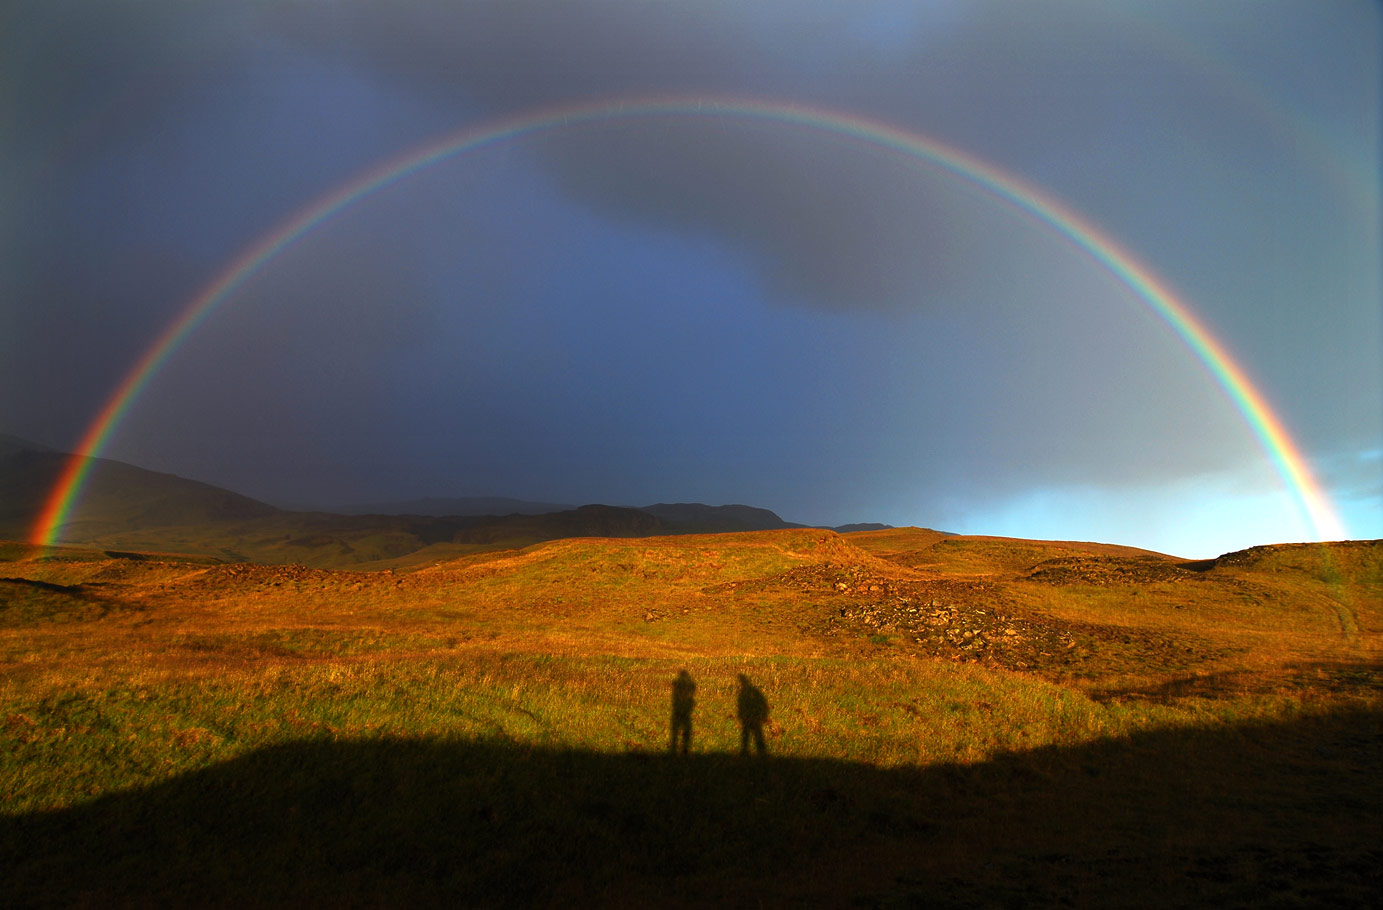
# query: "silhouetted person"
{"type": "Point", "coordinates": [753, 711]}
{"type": "Point", "coordinates": [683, 701]}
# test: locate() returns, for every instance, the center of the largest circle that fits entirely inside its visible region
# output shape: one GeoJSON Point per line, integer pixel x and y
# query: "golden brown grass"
{"type": "Point", "coordinates": [121, 673]}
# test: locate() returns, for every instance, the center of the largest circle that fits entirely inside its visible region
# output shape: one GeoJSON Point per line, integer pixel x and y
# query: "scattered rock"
{"type": "Point", "coordinates": [1110, 570]}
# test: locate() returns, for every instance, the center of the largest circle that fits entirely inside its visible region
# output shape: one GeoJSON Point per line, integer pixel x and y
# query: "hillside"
{"type": "Point", "coordinates": [695, 518]}
{"type": "Point", "coordinates": [964, 721]}
{"type": "Point", "coordinates": [124, 507]}
{"type": "Point", "coordinates": [119, 497]}
{"type": "Point", "coordinates": [450, 506]}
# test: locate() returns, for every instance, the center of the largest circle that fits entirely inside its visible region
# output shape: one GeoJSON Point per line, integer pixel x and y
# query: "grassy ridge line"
{"type": "Point", "coordinates": [726, 594]}
{"type": "Point", "coordinates": [738, 594]}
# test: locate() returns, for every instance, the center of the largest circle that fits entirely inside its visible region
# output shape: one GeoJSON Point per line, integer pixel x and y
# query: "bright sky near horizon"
{"type": "Point", "coordinates": [691, 308]}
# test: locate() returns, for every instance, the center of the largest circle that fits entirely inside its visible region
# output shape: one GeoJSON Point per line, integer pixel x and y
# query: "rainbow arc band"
{"type": "Point", "coordinates": [913, 147]}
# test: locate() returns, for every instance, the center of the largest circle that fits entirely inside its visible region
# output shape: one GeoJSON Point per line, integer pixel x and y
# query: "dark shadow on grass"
{"type": "Point", "coordinates": [1281, 814]}
{"type": "Point", "coordinates": [1335, 678]}
{"type": "Point", "coordinates": [25, 601]}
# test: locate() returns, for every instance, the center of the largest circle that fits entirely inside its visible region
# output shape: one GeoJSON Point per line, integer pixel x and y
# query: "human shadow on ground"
{"type": "Point", "coordinates": [752, 708]}
{"type": "Point", "coordinates": [683, 704]}
{"type": "Point", "coordinates": [1284, 813]}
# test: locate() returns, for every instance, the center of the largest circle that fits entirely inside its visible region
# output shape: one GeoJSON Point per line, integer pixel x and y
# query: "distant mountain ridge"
{"type": "Point", "coordinates": [13, 445]}
{"type": "Point", "coordinates": [686, 517]}
{"type": "Point", "coordinates": [128, 507]}
{"type": "Point", "coordinates": [117, 496]}
{"type": "Point", "coordinates": [694, 517]}
{"type": "Point", "coordinates": [457, 506]}
{"type": "Point", "coordinates": [862, 526]}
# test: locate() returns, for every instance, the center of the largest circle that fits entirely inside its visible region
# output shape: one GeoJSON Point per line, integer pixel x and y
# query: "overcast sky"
{"type": "Point", "coordinates": [684, 308]}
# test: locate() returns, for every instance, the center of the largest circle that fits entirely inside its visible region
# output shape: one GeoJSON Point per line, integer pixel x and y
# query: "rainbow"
{"type": "Point", "coordinates": [911, 147]}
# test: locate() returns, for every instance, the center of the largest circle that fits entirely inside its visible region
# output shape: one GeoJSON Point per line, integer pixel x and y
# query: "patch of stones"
{"type": "Point", "coordinates": [961, 632]}
{"type": "Point", "coordinates": [968, 621]}
{"type": "Point", "coordinates": [1110, 570]}
{"type": "Point", "coordinates": [852, 581]}
{"type": "Point", "coordinates": [293, 577]}
{"type": "Point", "coordinates": [1370, 550]}
{"type": "Point", "coordinates": [970, 633]}
{"type": "Point", "coordinates": [948, 618]}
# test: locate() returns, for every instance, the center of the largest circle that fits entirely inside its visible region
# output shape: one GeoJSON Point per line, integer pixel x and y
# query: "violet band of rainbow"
{"type": "Point", "coordinates": [1263, 422]}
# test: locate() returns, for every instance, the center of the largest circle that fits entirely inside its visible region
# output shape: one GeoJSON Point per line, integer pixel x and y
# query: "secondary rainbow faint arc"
{"type": "Point", "coordinates": [914, 147]}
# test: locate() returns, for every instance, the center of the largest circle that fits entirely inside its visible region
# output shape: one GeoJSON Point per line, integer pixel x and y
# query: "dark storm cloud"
{"type": "Point", "coordinates": [82, 287]}
{"type": "Point", "coordinates": [1115, 110]}
{"type": "Point", "coordinates": [826, 221]}
{"type": "Point", "coordinates": [1045, 89]}
{"type": "Point", "coordinates": [143, 144]}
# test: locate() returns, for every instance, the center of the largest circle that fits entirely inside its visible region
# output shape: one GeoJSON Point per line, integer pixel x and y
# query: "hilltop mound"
{"type": "Point", "coordinates": [980, 555]}
{"type": "Point", "coordinates": [1105, 570]}
{"type": "Point", "coordinates": [696, 518]}
{"type": "Point", "coordinates": [1362, 555]}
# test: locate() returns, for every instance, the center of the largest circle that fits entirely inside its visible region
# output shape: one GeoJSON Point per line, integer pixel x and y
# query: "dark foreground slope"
{"type": "Point", "coordinates": [1280, 815]}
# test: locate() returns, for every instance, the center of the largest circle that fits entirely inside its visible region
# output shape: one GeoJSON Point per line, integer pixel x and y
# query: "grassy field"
{"type": "Point", "coordinates": [953, 722]}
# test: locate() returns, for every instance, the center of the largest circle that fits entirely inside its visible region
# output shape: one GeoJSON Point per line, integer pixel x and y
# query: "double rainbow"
{"type": "Point", "coordinates": [912, 147]}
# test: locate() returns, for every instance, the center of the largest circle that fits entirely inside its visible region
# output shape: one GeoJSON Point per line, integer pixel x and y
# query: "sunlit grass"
{"type": "Point", "coordinates": [125, 671]}
{"type": "Point", "coordinates": [67, 739]}
{"type": "Point", "coordinates": [496, 704]}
